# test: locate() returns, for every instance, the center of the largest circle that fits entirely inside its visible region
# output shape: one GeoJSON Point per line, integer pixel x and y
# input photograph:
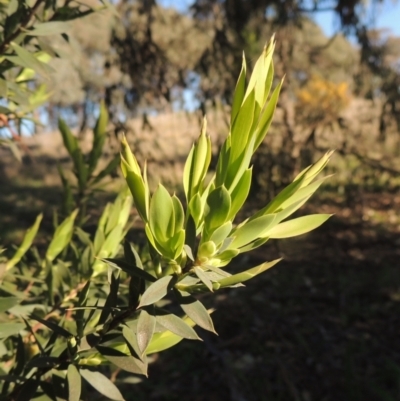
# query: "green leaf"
{"type": "Point", "coordinates": [240, 193]}
{"type": "Point", "coordinates": [239, 92]}
{"type": "Point", "coordinates": [26, 243]}
{"type": "Point", "coordinates": [7, 303]}
{"type": "Point", "coordinates": [145, 330]}
{"type": "Point", "coordinates": [299, 226]}
{"type": "Point", "coordinates": [10, 329]}
{"type": "Point", "coordinates": [187, 172]}
{"type": "Point", "coordinates": [161, 215]}
{"type": "Point", "coordinates": [219, 203]}
{"type": "Point", "coordinates": [102, 384]}
{"type": "Point", "coordinates": [49, 28]}
{"type": "Point", "coordinates": [220, 234]}
{"type": "Point", "coordinates": [61, 237]}
{"type": "Point", "coordinates": [251, 230]}
{"type": "Point", "coordinates": [247, 275]}
{"type": "Point", "coordinates": [26, 59]}
{"type": "Point", "coordinates": [156, 291]}
{"type": "Point", "coordinates": [52, 326]}
{"type": "Point", "coordinates": [99, 137]}
{"type": "Point", "coordinates": [195, 310]}
{"type": "Point", "coordinates": [266, 117]}
{"type": "Point", "coordinates": [176, 325]}
{"type": "Point", "coordinates": [74, 383]}
{"type": "Point", "coordinates": [125, 362]}
{"type": "Point", "coordinates": [179, 213]}
{"type": "Point", "coordinates": [202, 275]}
{"type": "Point", "coordinates": [241, 128]}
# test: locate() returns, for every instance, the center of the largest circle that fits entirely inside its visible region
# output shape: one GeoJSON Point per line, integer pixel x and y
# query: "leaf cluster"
{"type": "Point", "coordinates": [86, 303]}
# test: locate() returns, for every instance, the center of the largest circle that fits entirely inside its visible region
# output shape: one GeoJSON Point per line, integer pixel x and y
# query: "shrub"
{"type": "Point", "coordinates": [75, 307]}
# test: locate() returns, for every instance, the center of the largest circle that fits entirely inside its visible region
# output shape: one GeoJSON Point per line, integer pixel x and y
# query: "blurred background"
{"type": "Point", "coordinates": [324, 324]}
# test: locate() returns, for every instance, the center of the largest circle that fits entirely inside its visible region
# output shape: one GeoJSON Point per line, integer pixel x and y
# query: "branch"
{"type": "Point", "coordinates": [24, 24]}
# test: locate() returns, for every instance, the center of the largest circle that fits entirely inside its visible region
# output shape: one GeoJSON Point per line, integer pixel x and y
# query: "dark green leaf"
{"type": "Point", "coordinates": [196, 311]}
{"type": "Point", "coordinates": [129, 268]}
{"type": "Point", "coordinates": [176, 325]}
{"type": "Point", "coordinates": [28, 390]}
{"type": "Point", "coordinates": [145, 330]}
{"type": "Point", "coordinates": [111, 300]}
{"type": "Point", "coordinates": [125, 362]}
{"type": "Point", "coordinates": [52, 326]}
{"type": "Point", "coordinates": [156, 291]}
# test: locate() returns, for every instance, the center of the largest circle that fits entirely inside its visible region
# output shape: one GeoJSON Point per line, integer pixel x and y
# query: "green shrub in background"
{"type": "Point", "coordinates": [26, 29]}
{"type": "Point", "coordinates": [86, 303]}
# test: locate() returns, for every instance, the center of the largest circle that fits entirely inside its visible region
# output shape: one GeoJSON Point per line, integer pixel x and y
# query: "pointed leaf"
{"type": "Point", "coordinates": [251, 230]}
{"type": "Point", "coordinates": [26, 243]}
{"type": "Point", "coordinates": [177, 325]}
{"type": "Point", "coordinates": [298, 226]}
{"type": "Point", "coordinates": [102, 384]}
{"type": "Point", "coordinates": [145, 330]}
{"type": "Point", "coordinates": [156, 291]}
{"type": "Point", "coordinates": [196, 311]}
{"type": "Point", "coordinates": [74, 383]}
{"type": "Point", "coordinates": [247, 275]}
{"type": "Point", "coordinates": [202, 275]}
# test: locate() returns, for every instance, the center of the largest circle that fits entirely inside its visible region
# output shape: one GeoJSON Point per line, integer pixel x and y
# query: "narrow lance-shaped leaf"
{"type": "Point", "coordinates": [145, 330]}
{"type": "Point", "coordinates": [26, 243]}
{"type": "Point", "coordinates": [241, 128]}
{"type": "Point", "coordinates": [299, 226]}
{"type": "Point", "coordinates": [61, 237]}
{"type": "Point", "coordinates": [176, 325]}
{"type": "Point", "coordinates": [246, 275]}
{"type": "Point", "coordinates": [166, 339]}
{"type": "Point", "coordinates": [239, 91]}
{"type": "Point", "coordinates": [74, 383]}
{"type": "Point", "coordinates": [195, 310]}
{"type": "Point", "coordinates": [99, 136]}
{"type": "Point", "coordinates": [202, 275]}
{"type": "Point", "coordinates": [251, 230]}
{"type": "Point", "coordinates": [102, 384]}
{"type": "Point", "coordinates": [156, 291]}
{"type": "Point", "coordinates": [266, 117]}
{"type": "Point", "coordinates": [136, 182]}
{"type": "Point", "coordinates": [28, 60]}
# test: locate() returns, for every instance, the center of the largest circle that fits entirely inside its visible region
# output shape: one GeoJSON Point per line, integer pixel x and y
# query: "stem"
{"type": "Point", "coordinates": [24, 23]}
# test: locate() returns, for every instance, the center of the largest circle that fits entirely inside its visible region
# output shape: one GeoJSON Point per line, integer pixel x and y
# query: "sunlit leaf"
{"type": "Point", "coordinates": [299, 226]}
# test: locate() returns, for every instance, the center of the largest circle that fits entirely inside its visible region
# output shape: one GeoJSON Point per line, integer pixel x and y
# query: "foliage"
{"type": "Point", "coordinates": [84, 167]}
{"type": "Point", "coordinates": [321, 100]}
{"type": "Point", "coordinates": [25, 52]}
{"type": "Point", "coordinates": [84, 305]}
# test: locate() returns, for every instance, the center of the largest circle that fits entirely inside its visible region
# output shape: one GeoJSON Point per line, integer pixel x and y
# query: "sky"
{"type": "Point", "coordinates": [386, 15]}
